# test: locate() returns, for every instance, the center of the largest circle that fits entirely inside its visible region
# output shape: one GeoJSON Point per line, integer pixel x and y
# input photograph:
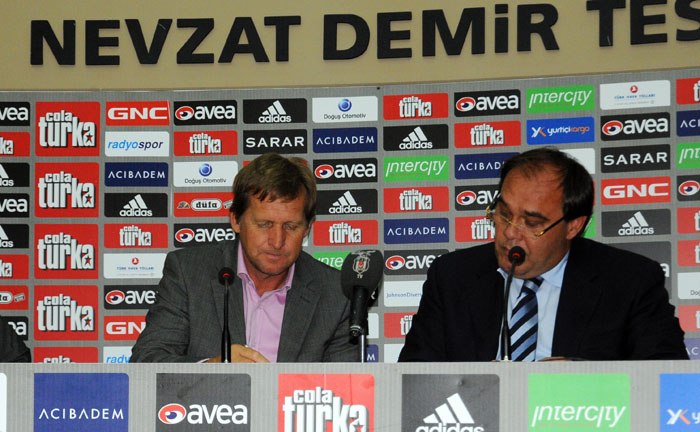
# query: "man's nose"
{"type": "Point", "coordinates": [276, 237]}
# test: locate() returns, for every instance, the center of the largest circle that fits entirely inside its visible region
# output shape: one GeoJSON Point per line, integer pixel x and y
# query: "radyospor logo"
{"type": "Point", "coordinates": [14, 113]}
{"type": "Point", "coordinates": [361, 170]}
{"type": "Point", "coordinates": [205, 112]}
{"type": "Point", "coordinates": [498, 102]}
{"type": "Point", "coordinates": [274, 111]}
{"type": "Point", "coordinates": [423, 137]}
{"type": "Point", "coordinates": [636, 223]}
{"type": "Point", "coordinates": [325, 403]}
{"type": "Point", "coordinates": [418, 106]}
{"type": "Point", "coordinates": [342, 201]}
{"type": "Point", "coordinates": [66, 251]}
{"type": "Point", "coordinates": [278, 141]}
{"type": "Point", "coordinates": [67, 190]}
{"type": "Point", "coordinates": [636, 158]}
{"type": "Point", "coordinates": [65, 312]}
{"type": "Point", "coordinates": [410, 262]}
{"type": "Point", "coordinates": [635, 126]}
{"type": "Point", "coordinates": [67, 128]}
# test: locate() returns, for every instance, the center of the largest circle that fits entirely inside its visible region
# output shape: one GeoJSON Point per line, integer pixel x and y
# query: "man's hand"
{"type": "Point", "coordinates": [242, 354]}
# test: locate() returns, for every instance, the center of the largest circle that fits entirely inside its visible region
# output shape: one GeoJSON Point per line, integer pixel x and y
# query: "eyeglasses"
{"type": "Point", "coordinates": [499, 219]}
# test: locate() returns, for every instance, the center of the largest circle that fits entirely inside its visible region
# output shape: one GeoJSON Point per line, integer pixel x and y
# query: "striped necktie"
{"type": "Point", "coordinates": [523, 322]}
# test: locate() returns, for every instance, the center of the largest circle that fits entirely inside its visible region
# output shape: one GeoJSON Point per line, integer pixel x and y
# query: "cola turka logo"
{"type": "Point", "coordinates": [65, 312]}
{"type": "Point", "coordinates": [63, 355]}
{"type": "Point", "coordinates": [136, 235]}
{"type": "Point", "coordinates": [325, 403]}
{"type": "Point", "coordinates": [186, 235]}
{"type": "Point", "coordinates": [206, 143]}
{"type": "Point", "coordinates": [14, 144]}
{"type": "Point", "coordinates": [136, 205]}
{"type": "Point", "coordinates": [331, 171]}
{"type": "Point", "coordinates": [352, 232]}
{"type": "Point", "coordinates": [417, 199]}
{"type": "Point", "coordinates": [67, 129]}
{"type": "Point", "coordinates": [14, 174]}
{"type": "Point", "coordinates": [635, 126]}
{"type": "Point", "coordinates": [423, 137]}
{"type": "Point", "coordinates": [498, 102]}
{"type": "Point", "coordinates": [346, 201]}
{"type": "Point", "coordinates": [413, 262]}
{"type": "Point", "coordinates": [67, 190]}
{"type": "Point", "coordinates": [478, 228]}
{"type": "Point", "coordinates": [274, 111]}
{"type": "Point", "coordinates": [205, 112]}
{"type": "Point", "coordinates": [417, 106]}
{"type": "Point", "coordinates": [66, 251]}
{"type": "Point", "coordinates": [487, 134]}
{"type": "Point", "coordinates": [14, 113]}
{"type": "Point", "coordinates": [637, 158]}
{"type": "Point", "coordinates": [14, 267]}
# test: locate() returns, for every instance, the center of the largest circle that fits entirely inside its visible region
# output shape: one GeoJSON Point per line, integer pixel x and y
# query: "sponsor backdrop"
{"type": "Point", "coordinates": [96, 187]}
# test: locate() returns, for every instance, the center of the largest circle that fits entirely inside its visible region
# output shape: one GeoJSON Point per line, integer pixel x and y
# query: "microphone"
{"type": "Point", "coordinates": [360, 277]}
{"type": "Point", "coordinates": [225, 276]}
{"type": "Point", "coordinates": [516, 256]}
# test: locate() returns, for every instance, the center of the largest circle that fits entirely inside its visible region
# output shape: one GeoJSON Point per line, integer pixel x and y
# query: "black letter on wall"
{"type": "Point", "coordinates": [41, 31]}
{"type": "Point", "coordinates": [282, 24]}
{"type": "Point", "coordinates": [330, 37]}
{"type": "Point", "coordinates": [638, 21]}
{"type": "Point", "coordinates": [543, 28]}
{"type": "Point", "coordinates": [605, 18]}
{"type": "Point", "coordinates": [202, 26]}
{"type": "Point", "coordinates": [148, 55]}
{"type": "Point", "coordinates": [435, 19]}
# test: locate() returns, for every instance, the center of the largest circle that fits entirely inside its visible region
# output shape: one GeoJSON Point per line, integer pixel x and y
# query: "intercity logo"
{"type": "Point", "coordinates": [558, 99]}
{"type": "Point", "coordinates": [67, 402]}
{"type": "Point", "coordinates": [688, 91]}
{"type": "Point", "coordinates": [136, 236]}
{"type": "Point", "coordinates": [136, 205]}
{"type": "Point", "coordinates": [197, 234]}
{"type": "Point", "coordinates": [14, 236]}
{"type": "Point", "coordinates": [345, 140]}
{"type": "Point", "coordinates": [127, 327]}
{"type": "Point", "coordinates": [211, 174]}
{"type": "Point", "coordinates": [449, 403]}
{"type": "Point", "coordinates": [688, 188]}
{"type": "Point", "coordinates": [14, 174]}
{"type": "Point", "coordinates": [689, 317]}
{"type": "Point", "coordinates": [470, 229]}
{"type": "Point", "coordinates": [325, 402]}
{"type": "Point", "coordinates": [202, 402]}
{"type": "Point", "coordinates": [474, 197]}
{"type": "Point", "coordinates": [561, 131]}
{"type": "Point", "coordinates": [14, 113]}
{"type": "Point", "coordinates": [62, 355]}
{"type": "Point", "coordinates": [635, 126]}
{"type": "Point", "coordinates": [579, 402]}
{"type": "Point", "coordinates": [202, 204]}
{"type": "Point", "coordinates": [658, 251]}
{"type": "Point", "coordinates": [138, 113]}
{"type": "Point", "coordinates": [344, 109]}
{"type": "Point", "coordinates": [413, 262]}
{"type": "Point", "coordinates": [65, 251]}
{"type": "Point", "coordinates": [14, 144]}
{"type": "Point", "coordinates": [640, 190]}
{"type": "Point", "coordinates": [416, 199]}
{"type": "Point", "coordinates": [487, 134]}
{"type": "Point", "coordinates": [402, 231]}
{"type": "Point", "coordinates": [495, 102]}
{"type": "Point", "coordinates": [688, 284]}
{"type": "Point", "coordinates": [274, 111]}
{"type": "Point", "coordinates": [14, 205]}
{"type": "Point", "coordinates": [67, 129]}
{"type": "Point", "coordinates": [351, 232]}
{"type": "Point", "coordinates": [19, 325]}
{"type": "Point", "coordinates": [688, 123]}
{"type": "Point", "coordinates": [484, 165]}
{"type": "Point", "coordinates": [129, 297]}
{"type": "Point", "coordinates": [14, 267]}
{"type": "Point", "coordinates": [636, 223]}
{"type": "Point", "coordinates": [635, 158]}
{"type": "Point", "coordinates": [416, 168]}
{"type": "Point", "coordinates": [332, 259]}
{"type": "Point", "coordinates": [65, 312]}
{"type": "Point", "coordinates": [688, 253]}
{"type": "Point", "coordinates": [688, 155]}
{"type": "Point", "coordinates": [397, 325]}
{"type": "Point", "coordinates": [206, 143]}
{"type": "Point", "coordinates": [362, 170]}
{"type": "Point", "coordinates": [14, 297]}
{"type": "Point", "coordinates": [642, 94]}
{"type": "Point", "coordinates": [132, 174]}
{"type": "Point", "coordinates": [343, 201]}
{"type": "Point", "coordinates": [677, 411]}
{"type": "Point", "coordinates": [216, 112]}
{"type": "Point", "coordinates": [417, 106]}
{"type": "Point", "coordinates": [688, 220]}
{"type": "Point", "coordinates": [424, 137]}
{"type": "Point", "coordinates": [137, 144]}
{"type": "Point", "coordinates": [278, 141]}
{"type": "Point", "coordinates": [133, 265]}
{"type": "Point", "coordinates": [116, 354]}
{"type": "Point", "coordinates": [67, 190]}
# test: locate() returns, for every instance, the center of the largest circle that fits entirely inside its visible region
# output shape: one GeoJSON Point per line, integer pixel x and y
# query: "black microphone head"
{"type": "Point", "coordinates": [516, 255]}
{"type": "Point", "coordinates": [225, 274]}
{"type": "Point", "coordinates": [362, 269]}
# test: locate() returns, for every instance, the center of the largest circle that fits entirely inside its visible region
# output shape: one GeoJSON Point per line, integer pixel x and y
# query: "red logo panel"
{"type": "Point", "coordinates": [136, 235]}
{"type": "Point", "coordinates": [470, 229]}
{"type": "Point", "coordinates": [14, 297]}
{"type": "Point", "coordinates": [689, 253]}
{"type": "Point", "coordinates": [66, 190]}
{"type": "Point", "coordinates": [14, 144]}
{"type": "Point", "coordinates": [417, 199]}
{"type": "Point", "coordinates": [14, 267]}
{"type": "Point", "coordinates": [66, 355]}
{"type": "Point", "coordinates": [688, 91]}
{"type": "Point", "coordinates": [206, 143]}
{"type": "Point", "coordinates": [138, 113]}
{"type": "Point", "coordinates": [202, 204]}
{"type": "Point", "coordinates": [636, 190]}
{"type": "Point", "coordinates": [688, 220]}
{"type": "Point", "coordinates": [65, 312]}
{"type": "Point", "coordinates": [397, 325]}
{"type": "Point", "coordinates": [689, 317]}
{"type": "Point", "coordinates": [416, 106]}
{"type": "Point", "coordinates": [344, 233]}
{"type": "Point", "coordinates": [487, 134]}
{"type": "Point", "coordinates": [127, 327]}
{"type": "Point", "coordinates": [67, 129]}
{"type": "Point", "coordinates": [65, 251]}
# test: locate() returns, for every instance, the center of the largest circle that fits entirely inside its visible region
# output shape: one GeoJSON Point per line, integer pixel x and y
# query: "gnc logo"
{"type": "Point", "coordinates": [156, 113]}
{"type": "Point", "coordinates": [636, 190]}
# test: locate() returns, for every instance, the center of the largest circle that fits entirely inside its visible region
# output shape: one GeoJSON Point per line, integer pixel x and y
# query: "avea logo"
{"type": "Point", "coordinates": [223, 414]}
{"type": "Point", "coordinates": [466, 198]}
{"type": "Point", "coordinates": [689, 188]}
{"type": "Point", "coordinates": [395, 262]}
{"type": "Point", "coordinates": [184, 235]}
{"type": "Point", "coordinates": [324, 171]}
{"type": "Point", "coordinates": [172, 414]}
{"type": "Point", "coordinates": [612, 128]}
{"type": "Point", "coordinates": [466, 104]}
{"type": "Point", "coordinates": [115, 297]}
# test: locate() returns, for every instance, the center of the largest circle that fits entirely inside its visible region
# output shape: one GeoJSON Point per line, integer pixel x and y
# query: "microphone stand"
{"type": "Point", "coordinates": [225, 334]}
{"type": "Point", "coordinates": [505, 334]}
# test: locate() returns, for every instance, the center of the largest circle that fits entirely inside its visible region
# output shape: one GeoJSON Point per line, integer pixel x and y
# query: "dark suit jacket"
{"type": "Point", "coordinates": [185, 323]}
{"type": "Point", "coordinates": [12, 349]}
{"type": "Point", "coordinates": [613, 306]}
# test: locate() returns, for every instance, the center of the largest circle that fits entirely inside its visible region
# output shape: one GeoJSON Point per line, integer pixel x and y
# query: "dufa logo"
{"type": "Point", "coordinates": [14, 144]}
{"type": "Point", "coordinates": [67, 129]}
{"type": "Point", "coordinates": [65, 312]}
{"type": "Point", "coordinates": [14, 297]}
{"type": "Point", "coordinates": [136, 236]}
{"type": "Point", "coordinates": [676, 408]}
{"type": "Point", "coordinates": [416, 199]}
{"type": "Point", "coordinates": [487, 134]}
{"type": "Point", "coordinates": [351, 232]}
{"type": "Point", "coordinates": [138, 113]}
{"type": "Point", "coordinates": [405, 107]}
{"type": "Point", "coordinates": [67, 190]}
{"type": "Point", "coordinates": [449, 403]}
{"type": "Point", "coordinates": [326, 403]}
{"type": "Point", "coordinates": [202, 204]}
{"type": "Point", "coordinates": [410, 262]}
{"type": "Point", "coordinates": [205, 112]}
{"type": "Point", "coordinates": [274, 111]}
{"type": "Point", "coordinates": [206, 143]}
{"type": "Point", "coordinates": [66, 251]}
{"type": "Point", "coordinates": [635, 126]}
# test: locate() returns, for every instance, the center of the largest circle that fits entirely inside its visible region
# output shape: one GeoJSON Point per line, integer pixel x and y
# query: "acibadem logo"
{"type": "Point", "coordinates": [414, 169]}
{"type": "Point", "coordinates": [558, 99]}
{"type": "Point", "coordinates": [579, 402]}
{"type": "Point", "coordinates": [688, 155]}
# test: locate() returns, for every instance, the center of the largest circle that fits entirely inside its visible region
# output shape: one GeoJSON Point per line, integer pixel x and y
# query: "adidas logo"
{"type": "Point", "coordinates": [5, 179]}
{"type": "Point", "coordinates": [136, 208]}
{"type": "Point", "coordinates": [275, 113]}
{"type": "Point", "coordinates": [4, 239]}
{"type": "Point", "coordinates": [345, 204]}
{"type": "Point", "coordinates": [636, 225]}
{"type": "Point", "coordinates": [416, 140]}
{"type": "Point", "coordinates": [452, 416]}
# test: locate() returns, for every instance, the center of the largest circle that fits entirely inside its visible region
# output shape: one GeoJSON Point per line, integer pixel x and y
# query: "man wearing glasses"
{"type": "Point", "coordinates": [570, 297]}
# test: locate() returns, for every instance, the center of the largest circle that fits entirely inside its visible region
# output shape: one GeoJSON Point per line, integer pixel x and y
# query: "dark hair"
{"type": "Point", "coordinates": [276, 177]}
{"type": "Point", "coordinates": [576, 182]}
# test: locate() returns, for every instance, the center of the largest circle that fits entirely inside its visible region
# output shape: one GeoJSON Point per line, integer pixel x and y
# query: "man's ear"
{"type": "Point", "coordinates": [574, 226]}
{"type": "Point", "coordinates": [234, 223]}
